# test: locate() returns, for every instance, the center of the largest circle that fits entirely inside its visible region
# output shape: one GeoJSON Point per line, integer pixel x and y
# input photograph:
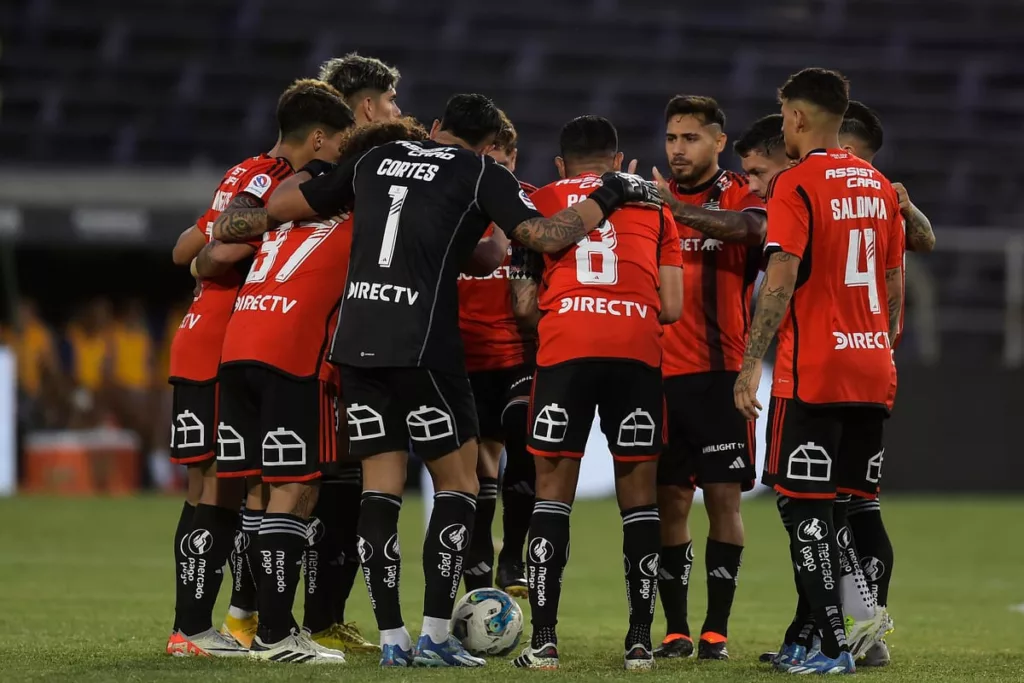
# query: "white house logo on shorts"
{"type": "Point", "coordinates": [809, 462]}
{"type": "Point", "coordinates": [365, 550]}
{"type": "Point", "coordinates": [637, 429]}
{"type": "Point", "coordinates": [874, 472]}
{"type": "Point", "coordinates": [283, 447]}
{"type": "Point", "coordinates": [188, 431]}
{"type": "Point", "coordinates": [230, 444]}
{"type": "Point", "coordinates": [874, 568]}
{"type": "Point", "coordinates": [392, 550]}
{"type": "Point", "coordinates": [454, 537]}
{"type": "Point", "coordinates": [314, 531]}
{"type": "Point", "coordinates": [428, 423]}
{"type": "Point", "coordinates": [363, 422]}
{"type": "Point", "coordinates": [197, 543]}
{"type": "Point", "coordinates": [649, 565]}
{"type": "Point", "coordinates": [811, 530]}
{"type": "Point", "coordinates": [551, 423]}
{"type": "Point", "coordinates": [843, 538]}
{"type": "Point", "coordinates": [541, 550]}
{"type": "Point", "coordinates": [258, 186]}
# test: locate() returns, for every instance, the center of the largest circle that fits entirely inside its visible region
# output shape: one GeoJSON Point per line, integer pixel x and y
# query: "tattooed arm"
{"type": "Point", "coordinates": [243, 219]}
{"type": "Point", "coordinates": [920, 236]}
{"type": "Point", "coordinates": [550, 235]}
{"type": "Point", "coordinates": [216, 258]}
{"type": "Point", "coordinates": [525, 269]}
{"type": "Point", "coordinates": [894, 294]}
{"type": "Point", "coordinates": [772, 303]}
{"type": "Point", "coordinates": [188, 246]}
{"type": "Point", "coordinates": [744, 227]}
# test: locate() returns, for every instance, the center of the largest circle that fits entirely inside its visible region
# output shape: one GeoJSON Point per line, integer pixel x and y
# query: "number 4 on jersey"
{"type": "Point", "coordinates": [855, 277]}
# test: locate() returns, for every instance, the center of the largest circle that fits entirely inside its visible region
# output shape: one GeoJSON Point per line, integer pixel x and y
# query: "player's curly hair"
{"type": "Point", "coordinates": [862, 122]}
{"type": "Point", "coordinates": [308, 103]}
{"type": "Point", "coordinates": [705, 109]}
{"type": "Point", "coordinates": [764, 136]}
{"type": "Point", "coordinates": [507, 140]}
{"type": "Point", "coordinates": [354, 73]}
{"type": "Point", "coordinates": [825, 88]}
{"type": "Point", "coordinates": [361, 139]}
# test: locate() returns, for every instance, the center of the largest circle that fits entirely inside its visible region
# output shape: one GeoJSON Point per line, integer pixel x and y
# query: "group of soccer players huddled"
{"type": "Point", "coordinates": [369, 287]}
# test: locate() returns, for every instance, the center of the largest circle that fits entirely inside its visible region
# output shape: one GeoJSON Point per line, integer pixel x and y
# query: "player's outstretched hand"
{"type": "Point", "coordinates": [663, 189]}
{"type": "Point", "coordinates": [744, 392]}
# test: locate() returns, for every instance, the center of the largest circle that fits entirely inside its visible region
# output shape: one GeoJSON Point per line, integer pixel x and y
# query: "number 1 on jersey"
{"type": "Point", "coordinates": [387, 247]}
{"type": "Point", "coordinates": [855, 277]}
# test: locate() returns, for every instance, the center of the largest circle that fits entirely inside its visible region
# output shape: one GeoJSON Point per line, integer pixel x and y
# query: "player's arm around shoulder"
{"type": "Point", "coordinates": [920, 235]}
{"type": "Point", "coordinates": [739, 226]}
{"type": "Point", "coordinates": [190, 243]}
{"type": "Point", "coordinates": [216, 258]}
{"type": "Point", "coordinates": [525, 270]}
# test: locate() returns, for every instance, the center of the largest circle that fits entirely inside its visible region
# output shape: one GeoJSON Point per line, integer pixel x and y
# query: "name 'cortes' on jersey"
{"type": "Point", "coordinates": [420, 209]}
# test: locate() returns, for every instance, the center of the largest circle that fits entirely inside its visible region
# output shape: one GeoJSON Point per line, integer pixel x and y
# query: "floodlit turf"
{"type": "Point", "coordinates": [86, 595]}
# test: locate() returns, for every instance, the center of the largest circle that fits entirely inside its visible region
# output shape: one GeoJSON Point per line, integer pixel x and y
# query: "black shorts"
{"type": "Point", "coordinates": [816, 452]}
{"type": "Point", "coordinates": [193, 422]}
{"type": "Point", "coordinates": [282, 428]}
{"type": "Point", "coordinates": [709, 441]}
{"type": "Point", "coordinates": [496, 390]}
{"type": "Point", "coordinates": [626, 394]}
{"type": "Point", "coordinates": [391, 409]}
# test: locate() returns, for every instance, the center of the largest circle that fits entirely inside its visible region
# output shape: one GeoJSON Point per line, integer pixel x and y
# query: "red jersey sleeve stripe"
{"type": "Point", "coordinates": [281, 170]}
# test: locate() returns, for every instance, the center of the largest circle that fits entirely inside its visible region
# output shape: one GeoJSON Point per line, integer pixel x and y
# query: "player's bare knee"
{"type": "Point", "coordinates": [224, 493]}
{"type": "Point", "coordinates": [488, 459]}
{"type": "Point", "coordinates": [194, 480]}
{"type": "Point", "coordinates": [635, 483]}
{"type": "Point", "coordinates": [294, 498]}
{"type": "Point", "coordinates": [385, 472]}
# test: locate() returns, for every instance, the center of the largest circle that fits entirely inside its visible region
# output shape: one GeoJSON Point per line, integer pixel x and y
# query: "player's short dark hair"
{"type": "Point", "coordinates": [763, 136]}
{"type": "Point", "coordinates": [355, 73]}
{"type": "Point", "coordinates": [507, 139]}
{"type": "Point", "coordinates": [361, 139]}
{"type": "Point", "coordinates": [705, 109]}
{"type": "Point", "coordinates": [862, 122]}
{"type": "Point", "coordinates": [308, 103]}
{"type": "Point", "coordinates": [471, 117]}
{"type": "Point", "coordinates": [588, 136]}
{"type": "Point", "coordinates": [825, 88]}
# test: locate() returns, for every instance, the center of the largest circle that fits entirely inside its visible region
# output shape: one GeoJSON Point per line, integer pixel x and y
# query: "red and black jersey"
{"type": "Point", "coordinates": [195, 351]}
{"type": "Point", "coordinates": [599, 297]}
{"type": "Point", "coordinates": [841, 217]}
{"type": "Point", "coordinates": [718, 282]}
{"type": "Point", "coordinates": [490, 333]}
{"type": "Point", "coordinates": [286, 311]}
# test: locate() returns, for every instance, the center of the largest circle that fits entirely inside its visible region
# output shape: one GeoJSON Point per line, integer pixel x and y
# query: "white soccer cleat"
{"type": "Point", "coordinates": [861, 634]}
{"type": "Point", "coordinates": [209, 643]}
{"type": "Point", "coordinates": [639, 658]}
{"type": "Point", "coordinates": [297, 648]}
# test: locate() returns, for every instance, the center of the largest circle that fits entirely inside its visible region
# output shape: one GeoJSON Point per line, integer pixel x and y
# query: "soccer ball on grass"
{"type": "Point", "coordinates": [488, 622]}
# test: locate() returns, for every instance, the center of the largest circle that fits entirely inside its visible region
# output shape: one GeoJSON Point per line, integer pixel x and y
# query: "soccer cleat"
{"type": "Point", "coordinates": [712, 646]}
{"type": "Point", "coordinates": [877, 655]}
{"type": "Point", "coordinates": [819, 663]}
{"type": "Point", "coordinates": [511, 578]}
{"type": "Point", "coordinates": [862, 634]}
{"type": "Point", "coordinates": [296, 648]}
{"type": "Point", "coordinates": [395, 656]}
{"type": "Point", "coordinates": [639, 658]}
{"type": "Point", "coordinates": [209, 643]}
{"type": "Point", "coordinates": [544, 658]}
{"type": "Point", "coordinates": [242, 630]}
{"type": "Point", "coordinates": [448, 653]}
{"type": "Point", "coordinates": [674, 646]}
{"type": "Point", "coordinates": [343, 637]}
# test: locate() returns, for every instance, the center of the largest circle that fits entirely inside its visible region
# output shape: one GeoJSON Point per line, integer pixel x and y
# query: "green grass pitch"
{"type": "Point", "coordinates": [86, 595]}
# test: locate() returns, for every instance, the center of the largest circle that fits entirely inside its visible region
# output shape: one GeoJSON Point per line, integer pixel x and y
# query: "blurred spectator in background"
{"type": "Point", "coordinates": [41, 382]}
{"type": "Point", "coordinates": [88, 354]}
{"type": "Point", "coordinates": [131, 363]}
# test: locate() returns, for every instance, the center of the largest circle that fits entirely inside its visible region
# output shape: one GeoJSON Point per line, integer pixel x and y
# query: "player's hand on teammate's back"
{"type": "Point", "coordinates": [631, 188]}
{"type": "Point", "coordinates": [904, 197]}
{"type": "Point", "coordinates": [745, 390]}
